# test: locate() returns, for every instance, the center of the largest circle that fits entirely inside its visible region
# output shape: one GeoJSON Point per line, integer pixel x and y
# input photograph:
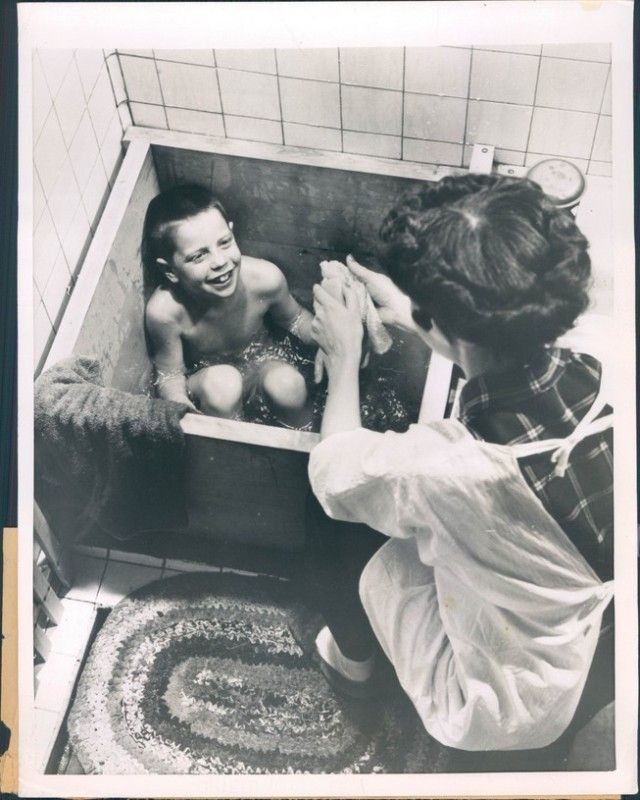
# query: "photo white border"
{"type": "Point", "coordinates": [184, 25]}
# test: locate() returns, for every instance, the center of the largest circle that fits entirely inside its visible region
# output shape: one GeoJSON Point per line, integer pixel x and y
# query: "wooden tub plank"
{"type": "Point", "coordinates": [247, 493]}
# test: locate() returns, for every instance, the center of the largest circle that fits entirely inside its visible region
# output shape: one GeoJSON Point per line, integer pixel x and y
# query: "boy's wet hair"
{"type": "Point", "coordinates": [490, 260]}
{"type": "Point", "coordinates": [171, 206]}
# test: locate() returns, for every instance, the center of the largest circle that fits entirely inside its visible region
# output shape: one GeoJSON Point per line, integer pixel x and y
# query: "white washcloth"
{"type": "Point", "coordinates": [334, 273]}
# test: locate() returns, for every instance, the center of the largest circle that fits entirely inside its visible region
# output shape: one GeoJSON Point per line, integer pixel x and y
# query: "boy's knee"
{"type": "Point", "coordinates": [285, 387]}
{"type": "Point", "coordinates": [220, 390]}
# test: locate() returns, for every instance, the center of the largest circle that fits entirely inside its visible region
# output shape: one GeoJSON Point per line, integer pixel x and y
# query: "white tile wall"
{"type": "Point", "coordinates": [204, 57]}
{"type": "Point", "coordinates": [504, 77]}
{"type": "Point", "coordinates": [531, 49]}
{"type": "Point", "coordinates": [50, 152]}
{"type": "Point", "coordinates": [500, 124]}
{"type": "Point", "coordinates": [39, 201]}
{"type": "Point", "coordinates": [314, 64]}
{"type": "Point", "coordinates": [438, 70]}
{"type": "Point", "coordinates": [310, 102]}
{"type": "Point", "coordinates": [602, 142]}
{"type": "Point", "coordinates": [432, 152]}
{"type": "Point", "coordinates": [77, 134]}
{"type": "Point", "coordinates": [55, 63]}
{"type": "Point", "coordinates": [70, 102]}
{"type": "Point", "coordinates": [180, 119]}
{"type": "Point", "coordinates": [94, 196]}
{"type": "Point", "coordinates": [562, 133]}
{"type": "Point", "coordinates": [500, 156]}
{"type": "Point", "coordinates": [84, 150]}
{"type": "Point", "coordinates": [250, 60]}
{"type": "Point", "coordinates": [189, 86]}
{"type": "Point", "coordinates": [253, 129]}
{"type": "Point", "coordinates": [606, 100]}
{"type": "Point", "coordinates": [75, 241]}
{"type": "Point", "coordinates": [437, 118]}
{"type": "Point", "coordinates": [249, 94]}
{"type": "Point", "coordinates": [584, 51]}
{"type": "Point", "coordinates": [569, 85]}
{"type": "Point", "coordinates": [90, 63]}
{"type": "Point", "coordinates": [428, 104]}
{"type": "Point", "coordinates": [141, 79]}
{"type": "Point", "coordinates": [454, 95]}
{"type": "Point", "coordinates": [148, 116]}
{"type": "Point", "coordinates": [310, 136]}
{"type": "Point", "coordinates": [372, 144]}
{"type": "Point", "coordinates": [371, 110]}
{"type": "Point", "coordinates": [101, 105]}
{"type": "Point", "coordinates": [41, 96]}
{"type": "Point", "coordinates": [45, 249]}
{"type": "Point", "coordinates": [57, 287]}
{"type": "Point", "coordinates": [380, 67]}
{"type": "Point", "coordinates": [117, 79]}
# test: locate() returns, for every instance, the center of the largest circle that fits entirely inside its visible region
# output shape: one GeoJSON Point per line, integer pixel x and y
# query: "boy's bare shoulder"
{"type": "Point", "coordinates": [261, 276]}
{"type": "Point", "coordinates": [163, 310]}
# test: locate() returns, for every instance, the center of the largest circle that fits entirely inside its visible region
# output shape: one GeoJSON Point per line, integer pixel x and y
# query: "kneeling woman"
{"type": "Point", "coordinates": [487, 590]}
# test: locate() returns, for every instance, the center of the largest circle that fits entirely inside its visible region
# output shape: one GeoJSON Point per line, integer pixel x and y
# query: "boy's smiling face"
{"type": "Point", "coordinates": [206, 259]}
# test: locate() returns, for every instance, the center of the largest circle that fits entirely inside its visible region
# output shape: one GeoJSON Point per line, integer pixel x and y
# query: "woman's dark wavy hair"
{"type": "Point", "coordinates": [172, 205]}
{"type": "Point", "coordinates": [490, 260]}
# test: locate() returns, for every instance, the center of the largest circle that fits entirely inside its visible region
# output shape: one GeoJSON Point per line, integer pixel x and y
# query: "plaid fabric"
{"type": "Point", "coordinates": [546, 399]}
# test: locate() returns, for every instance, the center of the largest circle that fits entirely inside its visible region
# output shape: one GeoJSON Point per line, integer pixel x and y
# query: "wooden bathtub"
{"type": "Point", "coordinates": [247, 482]}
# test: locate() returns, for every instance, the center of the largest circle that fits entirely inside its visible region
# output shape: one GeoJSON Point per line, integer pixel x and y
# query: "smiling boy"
{"type": "Point", "coordinates": [208, 320]}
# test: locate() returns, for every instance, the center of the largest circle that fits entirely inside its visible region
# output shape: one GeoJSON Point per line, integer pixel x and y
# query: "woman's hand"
{"type": "Point", "coordinates": [337, 328]}
{"type": "Point", "coordinates": [393, 305]}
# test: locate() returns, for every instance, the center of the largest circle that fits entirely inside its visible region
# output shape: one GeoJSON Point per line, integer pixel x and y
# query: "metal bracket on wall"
{"type": "Point", "coordinates": [482, 158]}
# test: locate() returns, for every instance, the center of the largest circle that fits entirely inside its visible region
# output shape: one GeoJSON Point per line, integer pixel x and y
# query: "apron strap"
{"type": "Point", "coordinates": [561, 449]}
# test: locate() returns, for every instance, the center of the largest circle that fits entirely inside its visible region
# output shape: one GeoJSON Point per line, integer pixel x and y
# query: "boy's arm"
{"type": "Point", "coordinates": [167, 355]}
{"type": "Point", "coordinates": [286, 311]}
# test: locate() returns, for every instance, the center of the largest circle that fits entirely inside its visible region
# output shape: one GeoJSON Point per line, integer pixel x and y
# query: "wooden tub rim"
{"type": "Point", "coordinates": [139, 142]}
{"type": "Point", "coordinates": [304, 156]}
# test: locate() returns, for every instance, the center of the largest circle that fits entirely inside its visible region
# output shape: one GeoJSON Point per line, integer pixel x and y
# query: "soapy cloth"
{"type": "Point", "coordinates": [105, 458]}
{"type": "Point", "coordinates": [334, 274]}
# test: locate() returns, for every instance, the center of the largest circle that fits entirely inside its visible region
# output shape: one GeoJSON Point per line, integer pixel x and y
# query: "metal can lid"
{"type": "Point", "coordinates": [561, 180]}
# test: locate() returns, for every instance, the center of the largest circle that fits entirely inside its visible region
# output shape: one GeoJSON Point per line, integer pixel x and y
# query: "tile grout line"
{"type": "Point", "coordinates": [466, 109]}
{"type": "Point", "coordinates": [275, 56]}
{"type": "Point", "coordinates": [55, 322]}
{"type": "Point", "coordinates": [104, 61]}
{"type": "Point", "coordinates": [36, 139]}
{"type": "Point", "coordinates": [100, 143]}
{"type": "Point", "coordinates": [224, 122]}
{"type": "Point", "coordinates": [533, 107]}
{"type": "Point", "coordinates": [595, 133]}
{"type": "Point", "coordinates": [72, 279]}
{"type": "Point", "coordinates": [113, 91]}
{"type": "Point", "coordinates": [126, 88]}
{"type": "Point", "coordinates": [164, 105]}
{"type": "Point", "coordinates": [85, 109]}
{"type": "Point", "coordinates": [351, 130]}
{"type": "Point", "coordinates": [396, 91]}
{"type": "Point", "coordinates": [324, 80]}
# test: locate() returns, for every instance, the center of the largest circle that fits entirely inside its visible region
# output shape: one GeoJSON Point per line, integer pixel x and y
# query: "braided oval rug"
{"type": "Point", "coordinates": [203, 673]}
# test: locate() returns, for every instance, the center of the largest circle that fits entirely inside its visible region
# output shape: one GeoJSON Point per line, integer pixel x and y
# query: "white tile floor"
{"type": "Point", "coordinates": [101, 579]}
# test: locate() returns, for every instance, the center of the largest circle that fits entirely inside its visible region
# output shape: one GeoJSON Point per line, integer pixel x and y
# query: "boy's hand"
{"type": "Point", "coordinates": [393, 305]}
